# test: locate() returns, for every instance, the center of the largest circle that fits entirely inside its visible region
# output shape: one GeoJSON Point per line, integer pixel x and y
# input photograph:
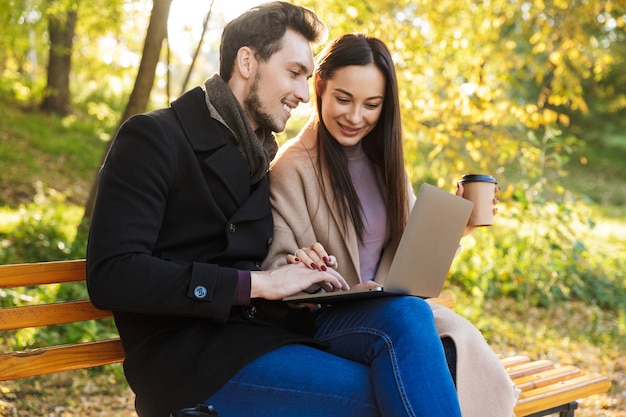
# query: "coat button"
{"type": "Point", "coordinates": [232, 227]}
{"type": "Point", "coordinates": [250, 312]}
{"type": "Point", "coordinates": [200, 291]}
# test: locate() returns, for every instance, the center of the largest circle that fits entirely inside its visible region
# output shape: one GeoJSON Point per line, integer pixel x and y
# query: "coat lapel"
{"type": "Point", "coordinates": [193, 116]}
{"type": "Point", "coordinates": [347, 247]}
{"type": "Point", "coordinates": [214, 146]}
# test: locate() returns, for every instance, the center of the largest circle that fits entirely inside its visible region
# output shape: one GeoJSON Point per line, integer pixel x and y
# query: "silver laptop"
{"type": "Point", "coordinates": [425, 252]}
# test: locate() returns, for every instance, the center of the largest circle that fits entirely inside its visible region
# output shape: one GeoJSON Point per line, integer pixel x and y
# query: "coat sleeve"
{"type": "Point", "coordinates": [294, 196]}
{"type": "Point", "coordinates": [124, 272]}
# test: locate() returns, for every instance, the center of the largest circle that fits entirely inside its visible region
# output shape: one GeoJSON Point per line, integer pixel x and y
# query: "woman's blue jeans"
{"type": "Point", "coordinates": [385, 359]}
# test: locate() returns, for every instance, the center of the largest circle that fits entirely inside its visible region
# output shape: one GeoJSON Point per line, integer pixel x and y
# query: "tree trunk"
{"type": "Point", "coordinates": [157, 31]}
{"type": "Point", "coordinates": [61, 31]}
{"type": "Point", "coordinates": [205, 26]}
{"type": "Point", "coordinates": [138, 101]}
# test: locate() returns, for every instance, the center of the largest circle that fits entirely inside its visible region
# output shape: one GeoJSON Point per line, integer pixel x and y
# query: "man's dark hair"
{"type": "Point", "coordinates": [262, 29]}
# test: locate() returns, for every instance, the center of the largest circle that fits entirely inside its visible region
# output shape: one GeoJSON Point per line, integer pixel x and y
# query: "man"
{"type": "Point", "coordinates": [181, 225]}
{"type": "Point", "coordinates": [179, 222]}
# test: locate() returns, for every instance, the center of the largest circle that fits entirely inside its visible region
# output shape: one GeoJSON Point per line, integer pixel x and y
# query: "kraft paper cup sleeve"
{"type": "Point", "coordinates": [479, 189]}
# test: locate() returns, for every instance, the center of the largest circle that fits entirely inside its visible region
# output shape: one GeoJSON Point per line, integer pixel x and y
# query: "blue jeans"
{"type": "Point", "coordinates": [385, 359]}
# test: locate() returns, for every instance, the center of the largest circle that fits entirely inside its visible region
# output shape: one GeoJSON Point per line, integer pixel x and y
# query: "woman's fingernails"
{"type": "Point", "coordinates": [314, 266]}
{"type": "Point", "coordinates": [297, 259]}
{"type": "Point", "coordinates": [326, 259]}
{"type": "Point", "coordinates": [323, 267]}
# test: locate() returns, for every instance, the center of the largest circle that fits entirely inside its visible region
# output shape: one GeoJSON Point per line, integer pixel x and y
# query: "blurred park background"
{"type": "Point", "coordinates": [530, 91]}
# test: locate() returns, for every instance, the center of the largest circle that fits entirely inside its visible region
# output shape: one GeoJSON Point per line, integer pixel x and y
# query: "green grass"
{"type": "Point", "coordinates": [599, 172]}
{"type": "Point", "coordinates": [62, 153]}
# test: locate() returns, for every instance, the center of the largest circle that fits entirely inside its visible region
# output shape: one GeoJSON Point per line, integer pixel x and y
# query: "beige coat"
{"type": "Point", "coordinates": [302, 215]}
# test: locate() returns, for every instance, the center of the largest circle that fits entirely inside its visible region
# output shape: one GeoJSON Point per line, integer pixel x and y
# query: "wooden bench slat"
{"type": "Point", "coordinates": [48, 314]}
{"type": "Point", "coordinates": [42, 361]}
{"type": "Point", "coordinates": [561, 393]}
{"type": "Point", "coordinates": [529, 368]}
{"type": "Point", "coordinates": [21, 275]}
{"type": "Point", "coordinates": [548, 377]}
{"type": "Point", "coordinates": [510, 361]}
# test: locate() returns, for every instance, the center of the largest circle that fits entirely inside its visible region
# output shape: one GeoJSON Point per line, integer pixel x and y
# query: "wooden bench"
{"type": "Point", "coordinates": [52, 359]}
{"type": "Point", "coordinates": [547, 388]}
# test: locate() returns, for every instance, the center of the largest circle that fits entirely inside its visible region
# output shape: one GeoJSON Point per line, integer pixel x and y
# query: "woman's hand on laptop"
{"type": "Point", "coordinates": [314, 257]}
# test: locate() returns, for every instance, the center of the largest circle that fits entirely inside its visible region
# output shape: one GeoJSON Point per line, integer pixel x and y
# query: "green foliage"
{"type": "Point", "coordinates": [43, 230]}
{"type": "Point", "coordinates": [597, 171]}
{"type": "Point", "coordinates": [24, 45]}
{"type": "Point", "coordinates": [541, 263]}
{"type": "Point", "coordinates": [477, 77]}
{"type": "Point", "coordinates": [542, 250]}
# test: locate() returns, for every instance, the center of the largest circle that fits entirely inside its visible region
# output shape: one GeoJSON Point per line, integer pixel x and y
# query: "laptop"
{"type": "Point", "coordinates": [425, 252]}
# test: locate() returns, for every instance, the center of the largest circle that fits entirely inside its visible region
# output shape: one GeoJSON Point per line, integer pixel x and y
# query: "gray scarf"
{"type": "Point", "coordinates": [259, 149]}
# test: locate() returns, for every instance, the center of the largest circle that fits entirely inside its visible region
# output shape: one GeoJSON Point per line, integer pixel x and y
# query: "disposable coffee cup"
{"type": "Point", "coordinates": [480, 189]}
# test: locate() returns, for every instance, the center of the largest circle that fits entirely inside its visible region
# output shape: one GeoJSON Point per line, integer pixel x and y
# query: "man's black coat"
{"type": "Point", "coordinates": [175, 218]}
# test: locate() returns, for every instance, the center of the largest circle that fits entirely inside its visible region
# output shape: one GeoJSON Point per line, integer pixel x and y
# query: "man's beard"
{"type": "Point", "coordinates": [254, 108]}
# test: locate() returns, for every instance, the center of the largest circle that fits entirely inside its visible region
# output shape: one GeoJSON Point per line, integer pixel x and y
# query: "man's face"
{"type": "Point", "coordinates": [280, 84]}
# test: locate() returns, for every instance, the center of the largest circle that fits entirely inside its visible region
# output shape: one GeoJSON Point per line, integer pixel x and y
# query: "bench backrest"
{"type": "Point", "coordinates": [30, 362]}
{"type": "Point", "coordinates": [39, 361]}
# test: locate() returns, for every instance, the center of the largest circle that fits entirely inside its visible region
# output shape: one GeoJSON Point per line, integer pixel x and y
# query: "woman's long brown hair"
{"type": "Point", "coordinates": [382, 146]}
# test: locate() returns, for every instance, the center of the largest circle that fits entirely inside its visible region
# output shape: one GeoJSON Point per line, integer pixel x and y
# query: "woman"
{"type": "Point", "coordinates": [342, 183]}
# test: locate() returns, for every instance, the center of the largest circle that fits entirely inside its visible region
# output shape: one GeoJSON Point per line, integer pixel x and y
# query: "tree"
{"type": "Point", "coordinates": [157, 32]}
{"type": "Point", "coordinates": [138, 101]}
{"type": "Point", "coordinates": [62, 16]}
{"type": "Point", "coordinates": [484, 83]}
{"type": "Point", "coordinates": [41, 40]}
{"type": "Point", "coordinates": [198, 48]}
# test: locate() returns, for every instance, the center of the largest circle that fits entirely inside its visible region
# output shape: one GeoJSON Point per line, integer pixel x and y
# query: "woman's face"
{"type": "Point", "coordinates": [352, 101]}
